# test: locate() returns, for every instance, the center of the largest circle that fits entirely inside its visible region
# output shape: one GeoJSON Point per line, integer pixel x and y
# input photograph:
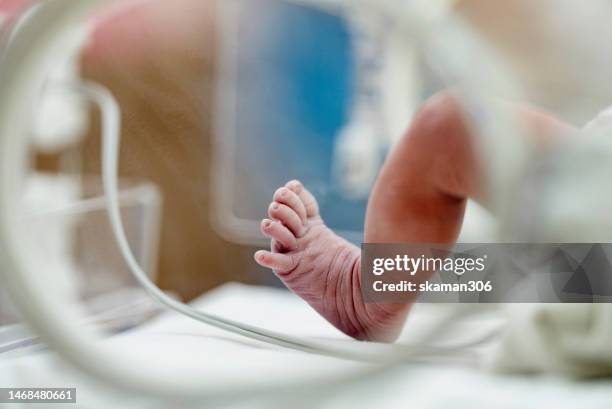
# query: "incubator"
{"type": "Point", "coordinates": [321, 91]}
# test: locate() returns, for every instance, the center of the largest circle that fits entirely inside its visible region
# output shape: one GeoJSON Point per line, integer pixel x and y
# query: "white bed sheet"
{"type": "Point", "coordinates": [217, 356]}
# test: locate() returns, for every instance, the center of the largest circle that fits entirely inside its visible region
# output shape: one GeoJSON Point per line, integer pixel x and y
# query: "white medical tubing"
{"type": "Point", "coordinates": [24, 66]}
{"type": "Point", "coordinates": [110, 152]}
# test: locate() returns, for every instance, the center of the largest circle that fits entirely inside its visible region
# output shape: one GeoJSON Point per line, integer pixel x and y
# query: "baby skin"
{"type": "Point", "coordinates": [419, 197]}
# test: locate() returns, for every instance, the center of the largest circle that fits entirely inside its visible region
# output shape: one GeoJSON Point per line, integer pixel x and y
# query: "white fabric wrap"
{"type": "Point", "coordinates": [568, 339]}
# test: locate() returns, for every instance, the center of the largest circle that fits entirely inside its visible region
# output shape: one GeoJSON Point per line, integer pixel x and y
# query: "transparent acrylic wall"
{"type": "Point", "coordinates": [76, 251]}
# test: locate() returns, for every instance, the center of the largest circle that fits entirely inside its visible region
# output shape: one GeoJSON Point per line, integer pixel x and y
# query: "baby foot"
{"type": "Point", "coordinates": [321, 267]}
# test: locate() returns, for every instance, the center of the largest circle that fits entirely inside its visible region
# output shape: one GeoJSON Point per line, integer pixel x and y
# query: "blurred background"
{"type": "Point", "coordinates": [223, 101]}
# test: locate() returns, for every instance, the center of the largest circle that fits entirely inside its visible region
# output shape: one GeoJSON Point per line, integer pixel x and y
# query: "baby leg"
{"type": "Point", "coordinates": [421, 192]}
{"type": "Point", "coordinates": [419, 197]}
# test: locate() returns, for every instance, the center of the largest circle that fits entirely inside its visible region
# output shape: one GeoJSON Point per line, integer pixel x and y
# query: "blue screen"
{"type": "Point", "coordinates": [295, 89]}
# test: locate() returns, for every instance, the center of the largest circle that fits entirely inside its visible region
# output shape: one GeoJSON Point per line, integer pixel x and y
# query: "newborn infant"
{"type": "Point", "coordinates": [419, 197]}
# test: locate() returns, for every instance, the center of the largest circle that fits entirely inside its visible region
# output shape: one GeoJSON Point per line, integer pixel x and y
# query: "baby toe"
{"type": "Point", "coordinates": [276, 261]}
{"type": "Point", "coordinates": [291, 199]}
{"type": "Point", "coordinates": [311, 206]}
{"type": "Point", "coordinates": [295, 185]}
{"type": "Point", "coordinates": [279, 233]}
{"type": "Point", "coordinates": [287, 216]}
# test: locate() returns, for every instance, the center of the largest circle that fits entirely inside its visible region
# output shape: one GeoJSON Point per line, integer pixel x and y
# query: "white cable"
{"type": "Point", "coordinates": [110, 153]}
{"type": "Point", "coordinates": [53, 318]}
